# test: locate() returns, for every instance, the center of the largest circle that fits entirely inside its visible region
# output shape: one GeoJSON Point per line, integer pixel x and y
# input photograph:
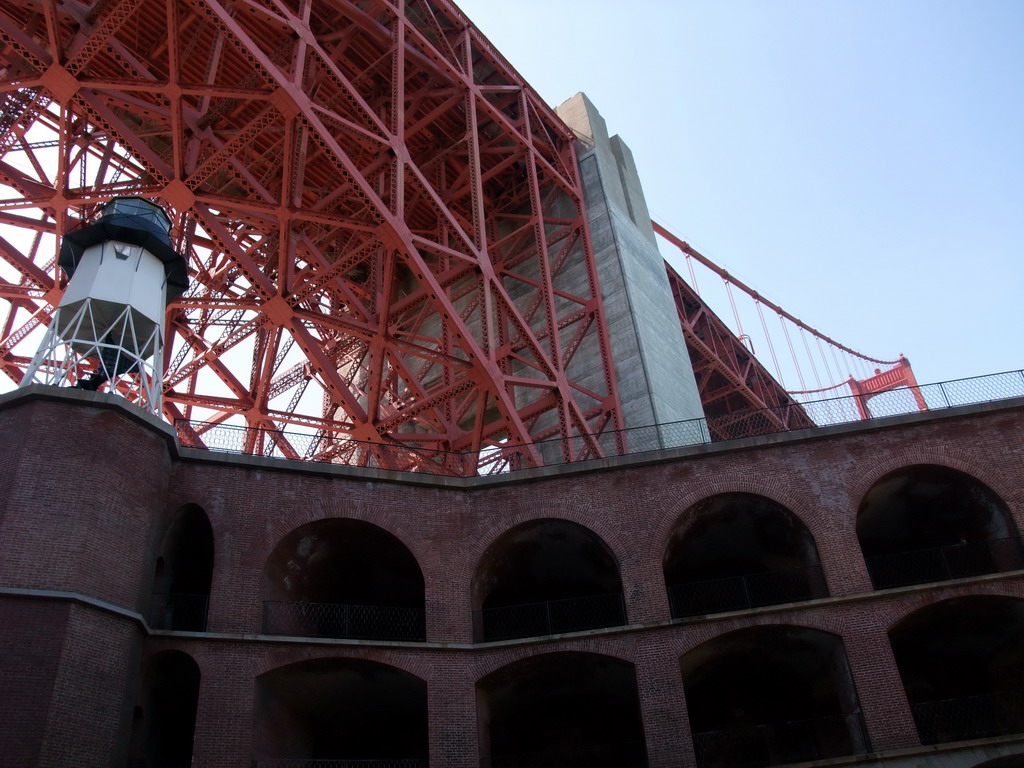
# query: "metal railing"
{"type": "Point", "coordinates": [795, 741]}
{"type": "Point", "coordinates": [550, 617]}
{"type": "Point", "coordinates": [341, 449]}
{"type": "Point", "coordinates": [185, 613]}
{"type": "Point", "coordinates": [620, 754]}
{"type": "Point", "coordinates": [341, 620]}
{"type": "Point", "coordinates": [970, 717]}
{"type": "Point", "coordinates": [752, 590]}
{"type": "Point", "coordinates": [307, 762]}
{"type": "Point", "coordinates": [955, 561]}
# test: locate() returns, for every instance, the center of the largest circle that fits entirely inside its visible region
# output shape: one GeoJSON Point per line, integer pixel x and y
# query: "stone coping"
{"type": "Point", "coordinates": [35, 392]}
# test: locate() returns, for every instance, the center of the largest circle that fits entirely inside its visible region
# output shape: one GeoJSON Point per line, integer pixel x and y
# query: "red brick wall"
{"type": "Point", "coordinates": [31, 635]}
{"type": "Point", "coordinates": [633, 509]}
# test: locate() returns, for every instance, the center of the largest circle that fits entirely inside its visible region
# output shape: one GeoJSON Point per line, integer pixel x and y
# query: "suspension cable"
{"type": "Point", "coordinates": [771, 347]}
{"type": "Point", "coordinates": [687, 249]}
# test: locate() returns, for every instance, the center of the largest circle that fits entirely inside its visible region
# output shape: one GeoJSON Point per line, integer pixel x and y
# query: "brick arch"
{"type": "Point", "coordinates": [275, 659]}
{"type": "Point", "coordinates": [220, 518]}
{"type": "Point", "coordinates": [382, 516]}
{"type": "Point", "coordinates": [613, 647]}
{"type": "Point", "coordinates": [891, 615]}
{"type": "Point", "coordinates": [870, 472]}
{"type": "Point", "coordinates": [669, 517]}
{"type": "Point", "coordinates": [707, 632]}
{"type": "Point", "coordinates": [471, 553]}
{"type": "Point", "coordinates": [205, 657]}
{"type": "Point", "coordinates": [1012, 760]}
{"type": "Point", "coordinates": [196, 655]}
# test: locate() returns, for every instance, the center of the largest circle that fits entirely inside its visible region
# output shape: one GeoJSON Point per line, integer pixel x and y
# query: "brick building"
{"type": "Point", "coordinates": [849, 595]}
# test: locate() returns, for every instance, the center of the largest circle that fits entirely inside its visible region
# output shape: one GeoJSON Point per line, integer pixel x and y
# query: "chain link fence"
{"type": "Point", "coordinates": [550, 617]}
{"type": "Point", "coordinates": [341, 620]}
{"type": "Point", "coordinates": [184, 613]}
{"type": "Point", "coordinates": [970, 717]}
{"type": "Point", "coordinates": [956, 561]}
{"type": "Point", "coordinates": [622, 754]}
{"type": "Point", "coordinates": [753, 590]}
{"type": "Point", "coordinates": [795, 741]}
{"type": "Point", "coordinates": [339, 449]}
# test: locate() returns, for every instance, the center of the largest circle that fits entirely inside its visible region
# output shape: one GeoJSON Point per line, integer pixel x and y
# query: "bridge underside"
{"type": "Point", "coordinates": [384, 224]}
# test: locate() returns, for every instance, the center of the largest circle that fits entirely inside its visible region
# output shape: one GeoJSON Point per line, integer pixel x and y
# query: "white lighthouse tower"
{"type": "Point", "coordinates": [108, 330]}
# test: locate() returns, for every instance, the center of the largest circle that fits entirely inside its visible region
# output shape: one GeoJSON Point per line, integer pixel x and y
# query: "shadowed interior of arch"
{"type": "Point", "coordinates": [739, 550]}
{"type": "Point", "coordinates": [962, 665]}
{"type": "Point", "coordinates": [544, 577]}
{"type": "Point", "coordinates": [929, 523]}
{"type": "Point", "coordinates": [343, 578]}
{"type": "Point", "coordinates": [563, 710]}
{"type": "Point", "coordinates": [164, 720]}
{"type": "Point", "coordinates": [340, 709]}
{"type": "Point", "coordinates": [771, 695]}
{"type": "Point", "coordinates": [184, 572]}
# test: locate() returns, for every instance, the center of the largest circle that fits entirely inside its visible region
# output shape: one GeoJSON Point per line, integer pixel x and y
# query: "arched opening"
{"type": "Point", "coordinates": [343, 578]}
{"type": "Point", "coordinates": [771, 695]}
{"type": "Point", "coordinates": [1008, 761]}
{"type": "Point", "coordinates": [736, 551]}
{"type": "Point", "coordinates": [183, 573]}
{"type": "Point", "coordinates": [340, 709]}
{"type": "Point", "coordinates": [928, 523]}
{"type": "Point", "coordinates": [545, 577]}
{"type": "Point", "coordinates": [164, 721]}
{"type": "Point", "coordinates": [561, 710]}
{"type": "Point", "coordinates": [962, 665]}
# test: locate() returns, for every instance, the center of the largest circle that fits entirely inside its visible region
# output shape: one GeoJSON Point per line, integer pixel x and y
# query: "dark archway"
{"type": "Point", "coordinates": [340, 709]}
{"type": "Point", "coordinates": [771, 695]}
{"type": "Point", "coordinates": [164, 721]}
{"type": "Point", "coordinates": [739, 550]}
{"type": "Point", "coordinates": [343, 578]}
{"type": "Point", "coordinates": [562, 710]}
{"type": "Point", "coordinates": [1009, 761]}
{"type": "Point", "coordinates": [184, 572]}
{"type": "Point", "coordinates": [544, 577]}
{"type": "Point", "coordinates": [929, 523]}
{"type": "Point", "coordinates": [962, 665]}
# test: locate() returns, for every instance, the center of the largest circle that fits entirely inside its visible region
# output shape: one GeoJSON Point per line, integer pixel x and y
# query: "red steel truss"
{"type": "Point", "coordinates": [732, 382]}
{"type": "Point", "coordinates": [739, 396]}
{"type": "Point", "coordinates": [384, 224]}
{"type": "Point", "coordinates": [883, 381]}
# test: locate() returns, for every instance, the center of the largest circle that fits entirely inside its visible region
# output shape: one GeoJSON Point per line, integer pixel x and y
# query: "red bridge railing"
{"type": "Point", "coordinates": [501, 458]}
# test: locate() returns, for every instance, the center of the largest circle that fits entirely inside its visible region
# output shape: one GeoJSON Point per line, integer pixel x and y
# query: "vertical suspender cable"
{"type": "Point", "coordinates": [792, 352]}
{"type": "Point", "coordinates": [810, 357]}
{"type": "Point", "coordinates": [833, 378]}
{"type": "Point", "coordinates": [693, 275]}
{"type": "Point", "coordinates": [771, 347]}
{"type": "Point", "coordinates": [732, 302]}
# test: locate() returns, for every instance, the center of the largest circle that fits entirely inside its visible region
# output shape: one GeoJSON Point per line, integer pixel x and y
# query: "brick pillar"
{"type": "Point", "coordinates": [879, 687]}
{"type": "Point", "coordinates": [663, 706]}
{"type": "Point", "coordinates": [451, 714]}
{"type": "Point", "coordinates": [643, 587]}
{"type": "Point", "coordinates": [448, 606]}
{"type": "Point", "coordinates": [224, 716]}
{"type": "Point", "coordinates": [87, 718]}
{"type": "Point", "coordinates": [843, 563]}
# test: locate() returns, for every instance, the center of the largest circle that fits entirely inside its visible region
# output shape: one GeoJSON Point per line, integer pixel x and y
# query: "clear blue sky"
{"type": "Point", "coordinates": [861, 162]}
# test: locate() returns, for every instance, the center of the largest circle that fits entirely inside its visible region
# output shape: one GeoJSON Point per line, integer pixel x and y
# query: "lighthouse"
{"type": "Point", "coordinates": [108, 330]}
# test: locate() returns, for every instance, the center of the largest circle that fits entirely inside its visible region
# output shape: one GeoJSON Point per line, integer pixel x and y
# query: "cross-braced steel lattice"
{"type": "Point", "coordinates": [384, 224]}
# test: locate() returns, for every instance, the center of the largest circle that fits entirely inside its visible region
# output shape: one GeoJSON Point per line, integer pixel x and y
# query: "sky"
{"type": "Point", "coordinates": [859, 162]}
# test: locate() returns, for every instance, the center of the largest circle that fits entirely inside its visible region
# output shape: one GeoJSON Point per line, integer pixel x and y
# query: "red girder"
{"type": "Point", "coordinates": [384, 223]}
{"type": "Point", "coordinates": [883, 381]}
{"type": "Point", "coordinates": [731, 382]}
